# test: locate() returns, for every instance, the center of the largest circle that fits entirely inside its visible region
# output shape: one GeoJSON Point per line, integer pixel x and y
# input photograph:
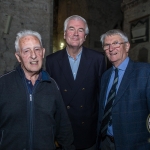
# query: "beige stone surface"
{"type": "Point", "coordinates": [136, 10]}
{"type": "Point", "coordinates": [26, 14]}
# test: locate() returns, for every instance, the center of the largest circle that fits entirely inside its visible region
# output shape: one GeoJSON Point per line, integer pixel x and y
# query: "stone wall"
{"type": "Point", "coordinates": [104, 15]}
{"type": "Point", "coordinates": [101, 15]}
{"type": "Point", "coordinates": [137, 27]}
{"type": "Point", "coordinates": [26, 14]}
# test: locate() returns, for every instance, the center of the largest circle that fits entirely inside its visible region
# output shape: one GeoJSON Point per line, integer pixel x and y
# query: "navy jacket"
{"type": "Point", "coordinates": [80, 95]}
{"type": "Point", "coordinates": [131, 107]}
{"type": "Point", "coordinates": [32, 122]}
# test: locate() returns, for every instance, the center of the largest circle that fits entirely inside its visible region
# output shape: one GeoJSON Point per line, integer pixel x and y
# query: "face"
{"type": "Point", "coordinates": [75, 33]}
{"type": "Point", "coordinates": [116, 55]}
{"type": "Point", "coordinates": [30, 55]}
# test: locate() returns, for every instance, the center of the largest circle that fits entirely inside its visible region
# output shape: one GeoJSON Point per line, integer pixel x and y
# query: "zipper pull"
{"type": "Point", "coordinates": [30, 97]}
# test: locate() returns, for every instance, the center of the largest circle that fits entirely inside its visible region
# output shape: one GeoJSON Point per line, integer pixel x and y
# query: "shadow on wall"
{"type": "Point", "coordinates": [143, 55]}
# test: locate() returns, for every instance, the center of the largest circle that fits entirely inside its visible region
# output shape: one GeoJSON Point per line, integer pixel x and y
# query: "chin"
{"type": "Point", "coordinates": [35, 69]}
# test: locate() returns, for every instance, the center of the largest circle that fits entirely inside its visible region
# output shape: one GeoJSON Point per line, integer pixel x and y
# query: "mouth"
{"type": "Point", "coordinates": [113, 54]}
{"type": "Point", "coordinates": [34, 62]}
{"type": "Point", "coordinates": [75, 38]}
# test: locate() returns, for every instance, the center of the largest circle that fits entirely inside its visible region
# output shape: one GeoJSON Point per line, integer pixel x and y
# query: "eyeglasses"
{"type": "Point", "coordinates": [115, 45]}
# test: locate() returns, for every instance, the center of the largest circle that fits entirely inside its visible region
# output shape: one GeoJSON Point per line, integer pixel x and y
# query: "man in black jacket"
{"type": "Point", "coordinates": [78, 70]}
{"type": "Point", "coordinates": [32, 112]}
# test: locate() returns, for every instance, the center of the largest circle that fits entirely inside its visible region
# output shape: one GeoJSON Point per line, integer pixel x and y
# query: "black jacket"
{"type": "Point", "coordinates": [80, 95]}
{"type": "Point", "coordinates": [32, 122]}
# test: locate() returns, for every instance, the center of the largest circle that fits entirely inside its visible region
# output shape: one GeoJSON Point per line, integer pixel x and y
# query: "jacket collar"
{"type": "Point", "coordinates": [44, 76]}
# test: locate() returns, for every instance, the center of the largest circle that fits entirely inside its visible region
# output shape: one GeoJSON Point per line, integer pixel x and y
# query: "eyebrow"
{"type": "Point", "coordinates": [112, 42]}
{"type": "Point", "coordinates": [70, 27]}
{"type": "Point", "coordinates": [30, 48]}
{"type": "Point", "coordinates": [74, 27]}
{"type": "Point", "coordinates": [82, 29]}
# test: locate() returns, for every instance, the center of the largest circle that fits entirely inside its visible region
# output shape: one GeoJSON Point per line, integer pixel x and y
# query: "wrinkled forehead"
{"type": "Point", "coordinates": [29, 42]}
{"type": "Point", "coordinates": [74, 22]}
{"type": "Point", "coordinates": [114, 37]}
{"type": "Point", "coordinates": [29, 38]}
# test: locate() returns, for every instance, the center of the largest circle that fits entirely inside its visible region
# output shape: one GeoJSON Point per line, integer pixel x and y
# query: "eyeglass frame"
{"type": "Point", "coordinates": [113, 45]}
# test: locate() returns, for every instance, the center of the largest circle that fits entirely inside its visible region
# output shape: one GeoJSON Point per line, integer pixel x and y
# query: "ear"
{"type": "Point", "coordinates": [43, 52]}
{"type": "Point", "coordinates": [127, 47]}
{"type": "Point", "coordinates": [85, 37]}
{"type": "Point", "coordinates": [65, 35]}
{"type": "Point", "coordinates": [17, 56]}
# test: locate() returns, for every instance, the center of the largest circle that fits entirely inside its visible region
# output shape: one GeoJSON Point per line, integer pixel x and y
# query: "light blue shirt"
{"type": "Point", "coordinates": [121, 70]}
{"type": "Point", "coordinates": [74, 63]}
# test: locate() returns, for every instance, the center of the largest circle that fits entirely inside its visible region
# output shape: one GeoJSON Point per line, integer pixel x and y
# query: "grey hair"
{"type": "Point", "coordinates": [24, 33]}
{"type": "Point", "coordinates": [76, 17]}
{"type": "Point", "coordinates": [114, 32]}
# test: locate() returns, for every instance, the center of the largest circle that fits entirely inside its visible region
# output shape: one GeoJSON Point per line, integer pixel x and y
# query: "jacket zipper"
{"type": "Point", "coordinates": [31, 118]}
{"type": "Point", "coordinates": [31, 122]}
{"type": "Point", "coordinates": [30, 115]}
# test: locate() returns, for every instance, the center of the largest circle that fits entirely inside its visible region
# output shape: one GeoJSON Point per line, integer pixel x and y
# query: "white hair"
{"type": "Point", "coordinates": [76, 17]}
{"type": "Point", "coordinates": [26, 33]}
{"type": "Point", "coordinates": [114, 32]}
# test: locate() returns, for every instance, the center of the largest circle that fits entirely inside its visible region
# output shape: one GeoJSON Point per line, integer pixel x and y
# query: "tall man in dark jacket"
{"type": "Point", "coordinates": [32, 111]}
{"type": "Point", "coordinates": [77, 71]}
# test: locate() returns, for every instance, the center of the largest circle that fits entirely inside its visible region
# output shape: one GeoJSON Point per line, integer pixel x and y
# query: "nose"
{"type": "Point", "coordinates": [111, 48]}
{"type": "Point", "coordinates": [33, 54]}
{"type": "Point", "coordinates": [76, 32]}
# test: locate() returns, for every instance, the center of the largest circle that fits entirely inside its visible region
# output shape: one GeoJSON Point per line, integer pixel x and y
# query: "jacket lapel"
{"type": "Point", "coordinates": [103, 92]}
{"type": "Point", "coordinates": [85, 62]}
{"type": "Point", "coordinates": [129, 72]}
{"type": "Point", "coordinates": [66, 69]}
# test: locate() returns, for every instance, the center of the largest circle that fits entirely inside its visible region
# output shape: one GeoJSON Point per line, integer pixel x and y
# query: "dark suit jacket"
{"type": "Point", "coordinates": [80, 95]}
{"type": "Point", "coordinates": [131, 107]}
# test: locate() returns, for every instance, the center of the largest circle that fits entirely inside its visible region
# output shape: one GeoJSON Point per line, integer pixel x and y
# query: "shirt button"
{"type": "Point", "coordinates": [83, 89]}
{"type": "Point", "coordinates": [82, 122]}
{"type": "Point", "coordinates": [68, 107]}
{"type": "Point", "coordinates": [81, 106]}
{"type": "Point", "coordinates": [65, 90]}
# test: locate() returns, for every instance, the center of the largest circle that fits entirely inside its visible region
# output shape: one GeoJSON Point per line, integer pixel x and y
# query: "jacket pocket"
{"type": "Point", "coordinates": [44, 139]}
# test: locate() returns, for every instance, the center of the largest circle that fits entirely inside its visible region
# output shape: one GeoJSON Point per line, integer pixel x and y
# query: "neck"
{"type": "Point", "coordinates": [73, 51]}
{"type": "Point", "coordinates": [32, 77]}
